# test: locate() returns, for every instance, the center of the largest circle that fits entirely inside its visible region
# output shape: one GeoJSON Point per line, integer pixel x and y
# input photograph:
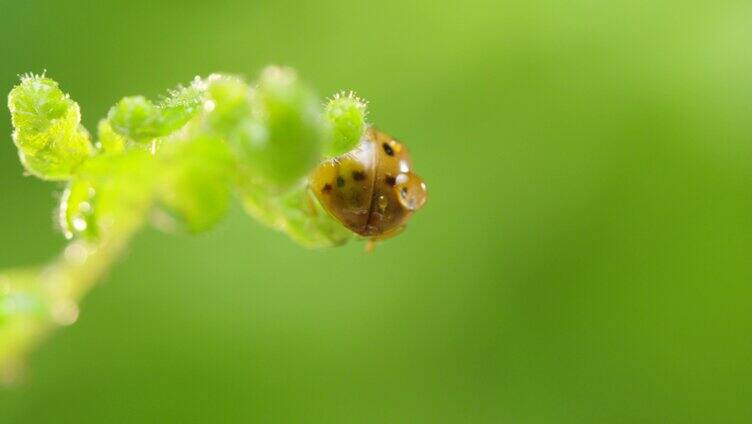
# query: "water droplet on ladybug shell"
{"type": "Point", "coordinates": [411, 191]}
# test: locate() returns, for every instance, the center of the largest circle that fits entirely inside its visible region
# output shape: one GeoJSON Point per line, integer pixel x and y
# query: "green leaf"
{"type": "Point", "coordinates": [282, 140]}
{"type": "Point", "coordinates": [347, 115]}
{"type": "Point", "coordinates": [51, 142]}
{"type": "Point", "coordinates": [298, 214]}
{"type": "Point", "coordinates": [183, 104]}
{"type": "Point", "coordinates": [195, 187]}
{"type": "Point", "coordinates": [109, 191]}
{"type": "Point", "coordinates": [136, 118]}
{"type": "Point", "coordinates": [140, 120]}
{"type": "Point", "coordinates": [109, 140]}
{"type": "Point", "coordinates": [227, 104]}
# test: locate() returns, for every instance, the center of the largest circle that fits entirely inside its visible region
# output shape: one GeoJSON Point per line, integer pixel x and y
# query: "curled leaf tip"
{"type": "Point", "coordinates": [51, 141]}
{"type": "Point", "coordinates": [346, 114]}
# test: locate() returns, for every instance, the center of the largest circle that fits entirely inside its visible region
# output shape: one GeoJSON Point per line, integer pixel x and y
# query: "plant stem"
{"type": "Point", "coordinates": [39, 300]}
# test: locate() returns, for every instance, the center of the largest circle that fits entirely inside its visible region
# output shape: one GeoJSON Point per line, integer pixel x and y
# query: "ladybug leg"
{"type": "Point", "coordinates": [371, 244]}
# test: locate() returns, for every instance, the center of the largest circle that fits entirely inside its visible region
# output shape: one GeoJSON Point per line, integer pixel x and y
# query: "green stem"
{"type": "Point", "coordinates": [40, 300]}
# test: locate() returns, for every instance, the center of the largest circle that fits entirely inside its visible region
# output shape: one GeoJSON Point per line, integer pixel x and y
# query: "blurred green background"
{"type": "Point", "coordinates": [585, 256]}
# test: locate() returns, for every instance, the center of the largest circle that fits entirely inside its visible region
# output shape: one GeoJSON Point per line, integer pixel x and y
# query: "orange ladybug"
{"type": "Point", "coordinates": [371, 190]}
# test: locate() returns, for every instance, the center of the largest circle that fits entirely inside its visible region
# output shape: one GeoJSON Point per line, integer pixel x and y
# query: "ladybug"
{"type": "Point", "coordinates": [371, 190]}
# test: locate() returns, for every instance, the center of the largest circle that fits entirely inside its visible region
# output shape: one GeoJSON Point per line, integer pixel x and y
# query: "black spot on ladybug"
{"type": "Point", "coordinates": [358, 175]}
{"type": "Point", "coordinates": [403, 192]}
{"type": "Point", "coordinates": [391, 181]}
{"type": "Point", "coordinates": [388, 149]}
{"type": "Point", "coordinates": [340, 181]}
{"type": "Point", "coordinates": [327, 188]}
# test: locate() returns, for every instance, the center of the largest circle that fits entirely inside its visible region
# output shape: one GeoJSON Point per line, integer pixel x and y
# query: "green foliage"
{"type": "Point", "coordinates": [229, 104]}
{"type": "Point", "coordinates": [109, 140]}
{"type": "Point", "coordinates": [347, 115]}
{"type": "Point", "coordinates": [107, 190]}
{"type": "Point", "coordinates": [77, 216]}
{"type": "Point", "coordinates": [280, 142]}
{"type": "Point", "coordinates": [195, 187]}
{"type": "Point", "coordinates": [48, 133]}
{"type": "Point", "coordinates": [181, 105]}
{"type": "Point", "coordinates": [136, 118]}
{"type": "Point", "coordinates": [140, 120]}
{"type": "Point", "coordinates": [296, 213]}
{"type": "Point", "coordinates": [181, 159]}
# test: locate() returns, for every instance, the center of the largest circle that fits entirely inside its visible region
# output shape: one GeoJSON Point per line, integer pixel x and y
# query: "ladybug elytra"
{"type": "Point", "coordinates": [371, 190]}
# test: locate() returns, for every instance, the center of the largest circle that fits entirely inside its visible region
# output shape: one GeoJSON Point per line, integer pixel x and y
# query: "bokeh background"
{"type": "Point", "coordinates": [585, 256]}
